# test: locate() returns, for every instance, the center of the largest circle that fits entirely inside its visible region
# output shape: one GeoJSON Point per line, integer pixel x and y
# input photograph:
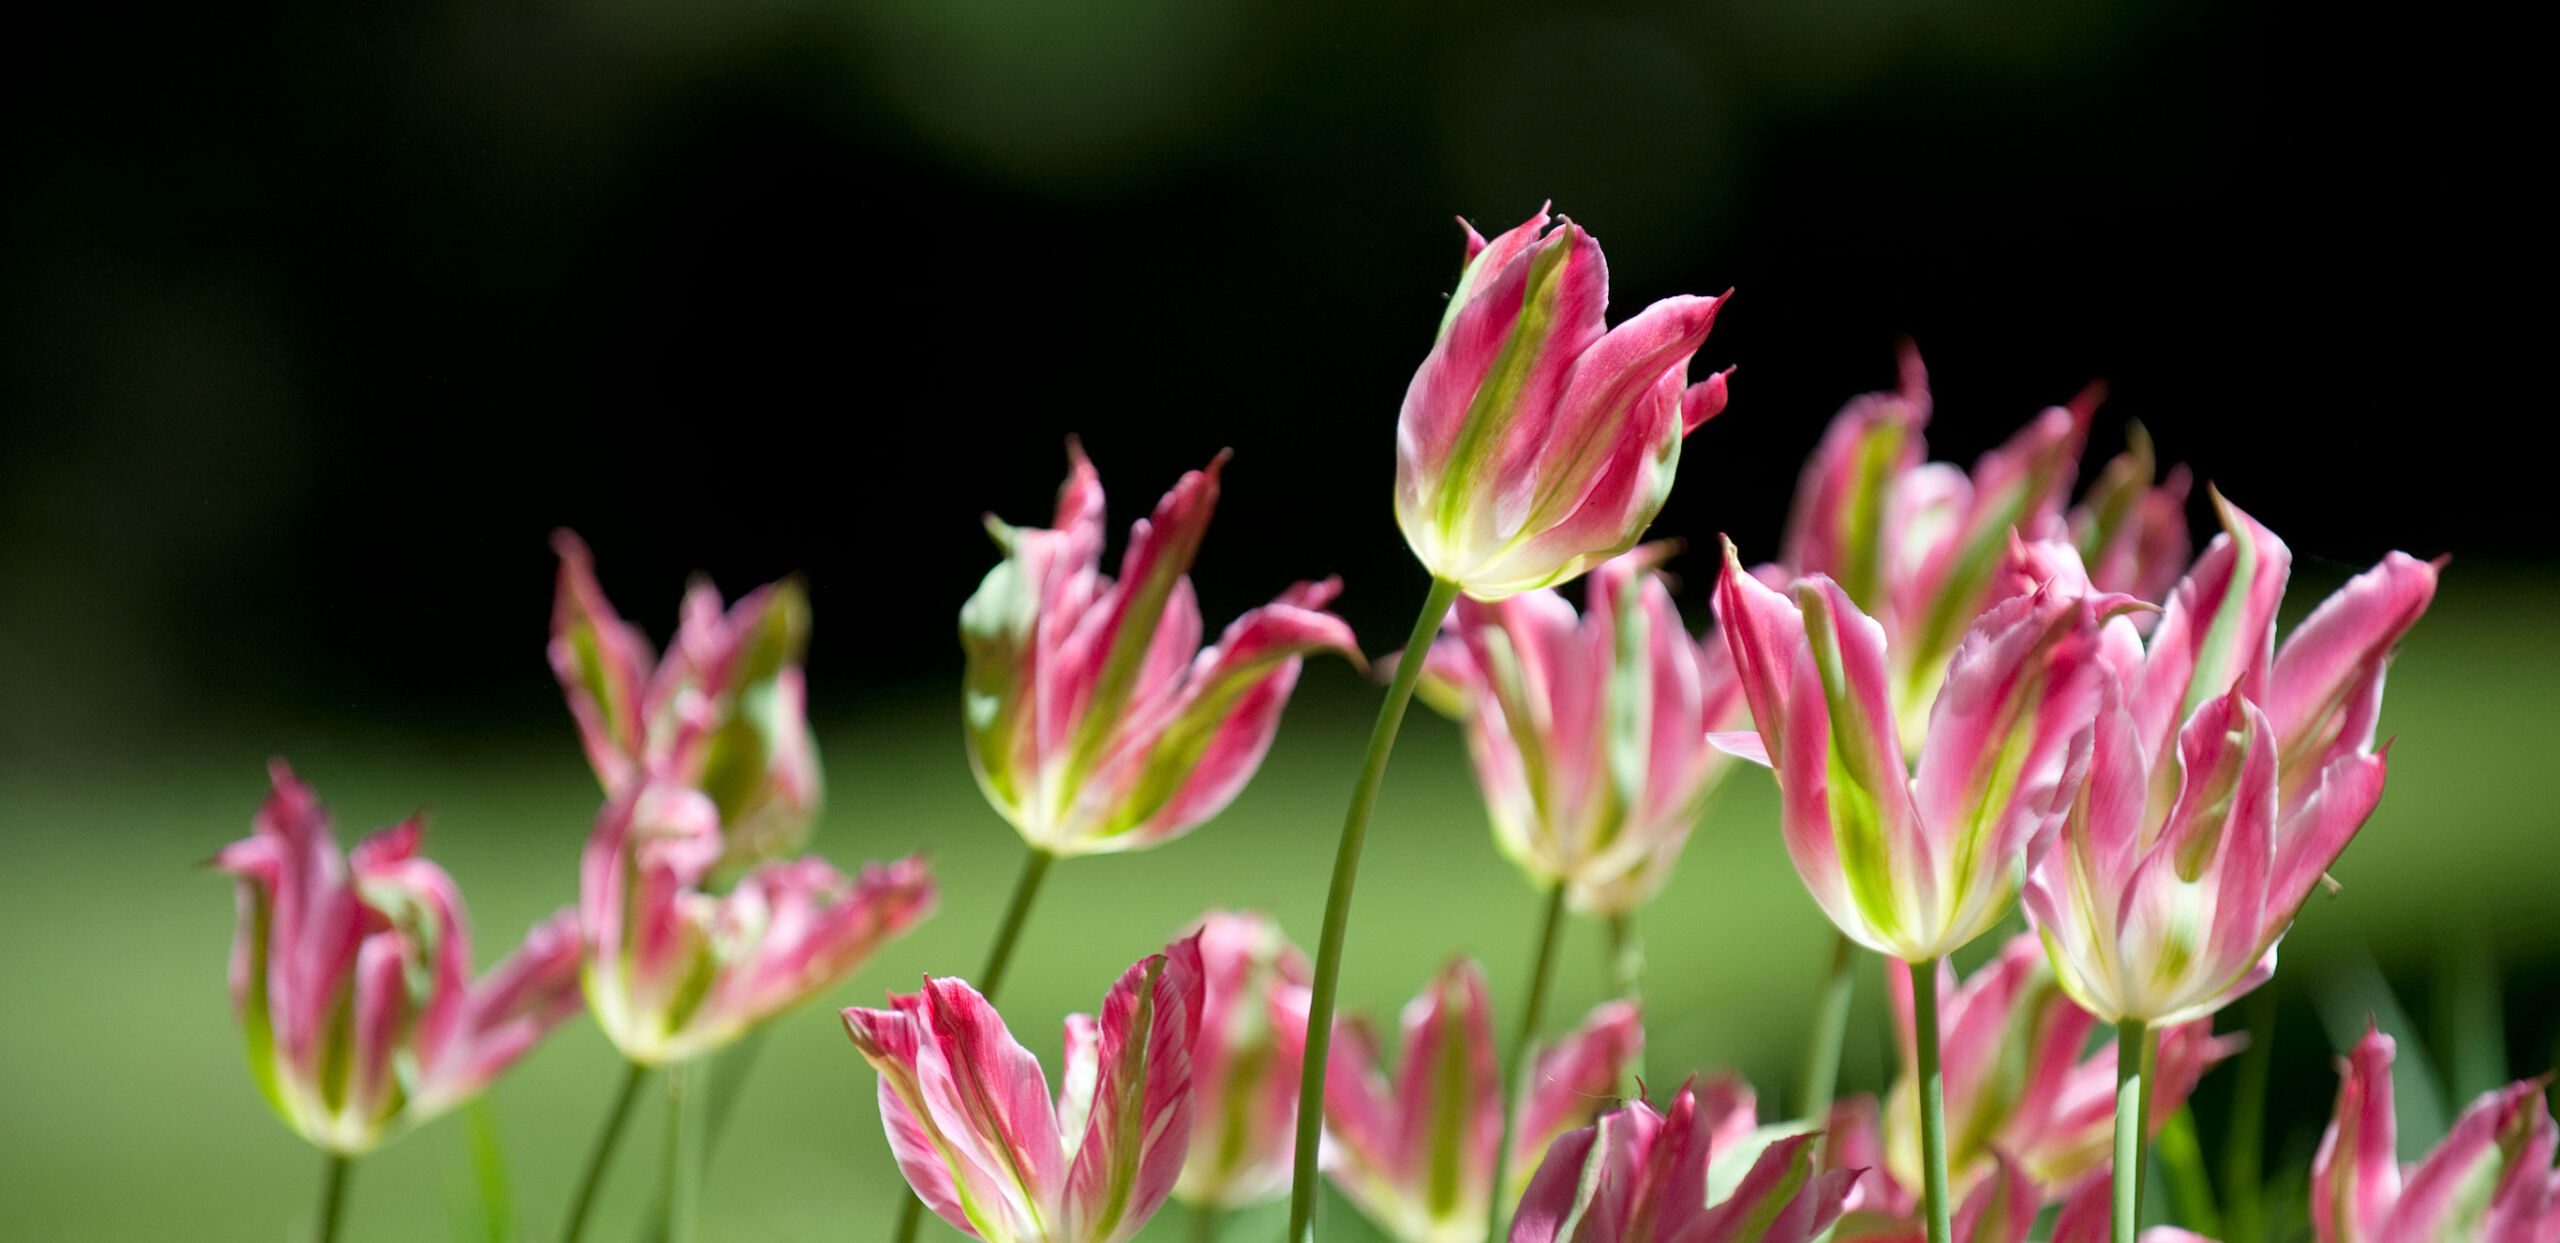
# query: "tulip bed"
{"type": "Point", "coordinates": [2036, 730]}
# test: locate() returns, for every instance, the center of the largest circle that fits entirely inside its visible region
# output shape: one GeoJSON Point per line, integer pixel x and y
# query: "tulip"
{"type": "Point", "coordinates": [970, 1119]}
{"type": "Point", "coordinates": [725, 711]}
{"type": "Point", "coordinates": [2083, 1218]}
{"type": "Point", "coordinates": [2130, 531]}
{"type": "Point", "coordinates": [674, 972]}
{"type": "Point", "coordinates": [352, 977]}
{"type": "Point", "coordinates": [1588, 734]}
{"type": "Point", "coordinates": [2491, 1178]}
{"type": "Point", "coordinates": [1638, 1176]}
{"type": "Point", "coordinates": [1096, 721]}
{"type": "Point", "coordinates": [1417, 1151]}
{"type": "Point", "coordinates": [1537, 442]}
{"type": "Point", "coordinates": [1245, 1065]}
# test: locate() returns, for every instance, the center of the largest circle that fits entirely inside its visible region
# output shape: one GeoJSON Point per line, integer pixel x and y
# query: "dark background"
{"type": "Point", "coordinates": [316, 318]}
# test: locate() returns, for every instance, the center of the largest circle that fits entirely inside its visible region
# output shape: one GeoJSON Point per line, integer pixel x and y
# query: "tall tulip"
{"type": "Point", "coordinates": [1535, 443]}
{"type": "Point", "coordinates": [1641, 1176]}
{"type": "Point", "coordinates": [2225, 777]}
{"type": "Point", "coordinates": [725, 710]}
{"type": "Point", "coordinates": [1245, 1064]}
{"type": "Point", "coordinates": [352, 978]}
{"type": "Point", "coordinates": [2491, 1179]}
{"type": "Point", "coordinates": [969, 1114]}
{"type": "Point", "coordinates": [1417, 1151]}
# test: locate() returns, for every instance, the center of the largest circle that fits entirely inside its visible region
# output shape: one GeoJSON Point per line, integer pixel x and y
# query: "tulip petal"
{"type": "Point", "coordinates": [2326, 691]}
{"type": "Point", "coordinates": [1140, 1120]}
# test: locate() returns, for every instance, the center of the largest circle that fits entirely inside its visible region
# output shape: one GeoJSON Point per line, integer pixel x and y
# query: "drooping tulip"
{"type": "Point", "coordinates": [1918, 545]}
{"type": "Point", "coordinates": [1638, 1176]}
{"type": "Point", "coordinates": [725, 710]}
{"type": "Point", "coordinates": [1589, 734]}
{"type": "Point", "coordinates": [1416, 1151]}
{"type": "Point", "coordinates": [1245, 1065]}
{"type": "Point", "coordinates": [2225, 777]}
{"type": "Point", "coordinates": [981, 1142]}
{"type": "Point", "coordinates": [352, 977]}
{"type": "Point", "coordinates": [1913, 860]}
{"type": "Point", "coordinates": [1096, 721]}
{"type": "Point", "coordinates": [2022, 1084]}
{"type": "Point", "coordinates": [1536, 441]}
{"type": "Point", "coordinates": [2491, 1179]}
{"type": "Point", "coordinates": [674, 971]}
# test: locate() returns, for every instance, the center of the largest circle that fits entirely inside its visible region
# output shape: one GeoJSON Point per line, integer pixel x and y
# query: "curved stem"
{"type": "Point", "coordinates": [333, 1195]}
{"type": "Point", "coordinates": [1933, 1099]}
{"type": "Point", "coordinates": [1524, 1057]}
{"type": "Point", "coordinates": [2133, 1102]}
{"type": "Point", "coordinates": [1017, 911]}
{"type": "Point", "coordinates": [602, 1155]}
{"type": "Point", "coordinates": [1830, 1032]}
{"type": "Point", "coordinates": [1337, 904]}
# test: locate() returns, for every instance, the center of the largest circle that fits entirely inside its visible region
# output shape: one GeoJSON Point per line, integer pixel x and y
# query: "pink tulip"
{"type": "Point", "coordinates": [2022, 1084]}
{"type": "Point", "coordinates": [1416, 1151]}
{"type": "Point", "coordinates": [674, 971]}
{"type": "Point", "coordinates": [2084, 1216]}
{"type": "Point", "coordinates": [725, 711]}
{"type": "Point", "coordinates": [352, 977]}
{"type": "Point", "coordinates": [1637, 1176]}
{"type": "Point", "coordinates": [1914, 860]}
{"type": "Point", "coordinates": [1096, 721]}
{"type": "Point", "coordinates": [974, 1129]}
{"type": "Point", "coordinates": [2130, 531]}
{"type": "Point", "coordinates": [2491, 1179]}
{"type": "Point", "coordinates": [1589, 734]}
{"type": "Point", "coordinates": [1253, 1034]}
{"type": "Point", "coordinates": [2225, 777]}
{"type": "Point", "coordinates": [1537, 442]}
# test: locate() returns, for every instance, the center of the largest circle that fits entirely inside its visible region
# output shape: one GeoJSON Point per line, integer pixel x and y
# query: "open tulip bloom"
{"type": "Point", "coordinates": [674, 971]}
{"type": "Point", "coordinates": [1417, 1151]}
{"type": "Point", "coordinates": [1589, 734]}
{"type": "Point", "coordinates": [2490, 1180]}
{"type": "Point", "coordinates": [725, 711]}
{"type": "Point", "coordinates": [978, 1137]}
{"type": "Point", "coordinates": [1244, 1067]}
{"type": "Point", "coordinates": [1698, 1172]}
{"type": "Point", "coordinates": [352, 978]}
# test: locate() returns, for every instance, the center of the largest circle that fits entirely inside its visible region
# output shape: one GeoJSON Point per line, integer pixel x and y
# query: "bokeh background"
{"type": "Point", "coordinates": [318, 317]}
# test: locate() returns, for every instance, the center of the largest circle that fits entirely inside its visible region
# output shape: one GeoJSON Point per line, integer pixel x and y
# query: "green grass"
{"type": "Point", "coordinates": [129, 1114]}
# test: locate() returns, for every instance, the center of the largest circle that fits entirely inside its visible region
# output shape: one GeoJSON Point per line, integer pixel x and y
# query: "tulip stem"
{"type": "Point", "coordinates": [333, 1195]}
{"type": "Point", "coordinates": [680, 1185]}
{"type": "Point", "coordinates": [1830, 1033]}
{"type": "Point", "coordinates": [1515, 1085]}
{"type": "Point", "coordinates": [602, 1154]}
{"type": "Point", "coordinates": [1626, 957]}
{"type": "Point", "coordinates": [1035, 867]}
{"type": "Point", "coordinates": [1337, 904]}
{"type": "Point", "coordinates": [2133, 1104]}
{"type": "Point", "coordinates": [1933, 1098]}
{"type": "Point", "coordinates": [1205, 1221]}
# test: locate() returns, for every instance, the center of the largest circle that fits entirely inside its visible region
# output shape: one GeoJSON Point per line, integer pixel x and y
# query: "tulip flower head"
{"type": "Point", "coordinates": [2491, 1179]}
{"type": "Point", "coordinates": [1641, 1176]}
{"type": "Point", "coordinates": [1914, 860]}
{"type": "Point", "coordinates": [1096, 721]}
{"type": "Point", "coordinates": [1589, 734]}
{"type": "Point", "coordinates": [2225, 777]}
{"type": "Point", "coordinates": [974, 1129]}
{"type": "Point", "coordinates": [1536, 441]}
{"type": "Point", "coordinates": [674, 971]}
{"type": "Point", "coordinates": [1416, 1151]}
{"type": "Point", "coordinates": [725, 711]}
{"type": "Point", "coordinates": [352, 977]}
{"type": "Point", "coordinates": [1245, 1065]}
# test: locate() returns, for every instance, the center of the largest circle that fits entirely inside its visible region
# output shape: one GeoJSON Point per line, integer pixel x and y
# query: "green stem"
{"type": "Point", "coordinates": [1626, 957]}
{"type": "Point", "coordinates": [1524, 1056]}
{"type": "Point", "coordinates": [680, 1184]}
{"type": "Point", "coordinates": [1830, 1033]}
{"type": "Point", "coordinates": [1035, 868]}
{"type": "Point", "coordinates": [333, 1195]}
{"type": "Point", "coordinates": [1205, 1221]}
{"type": "Point", "coordinates": [2244, 1148]}
{"type": "Point", "coordinates": [2133, 1104]}
{"type": "Point", "coordinates": [602, 1154]}
{"type": "Point", "coordinates": [1337, 904]}
{"type": "Point", "coordinates": [1933, 1099]}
